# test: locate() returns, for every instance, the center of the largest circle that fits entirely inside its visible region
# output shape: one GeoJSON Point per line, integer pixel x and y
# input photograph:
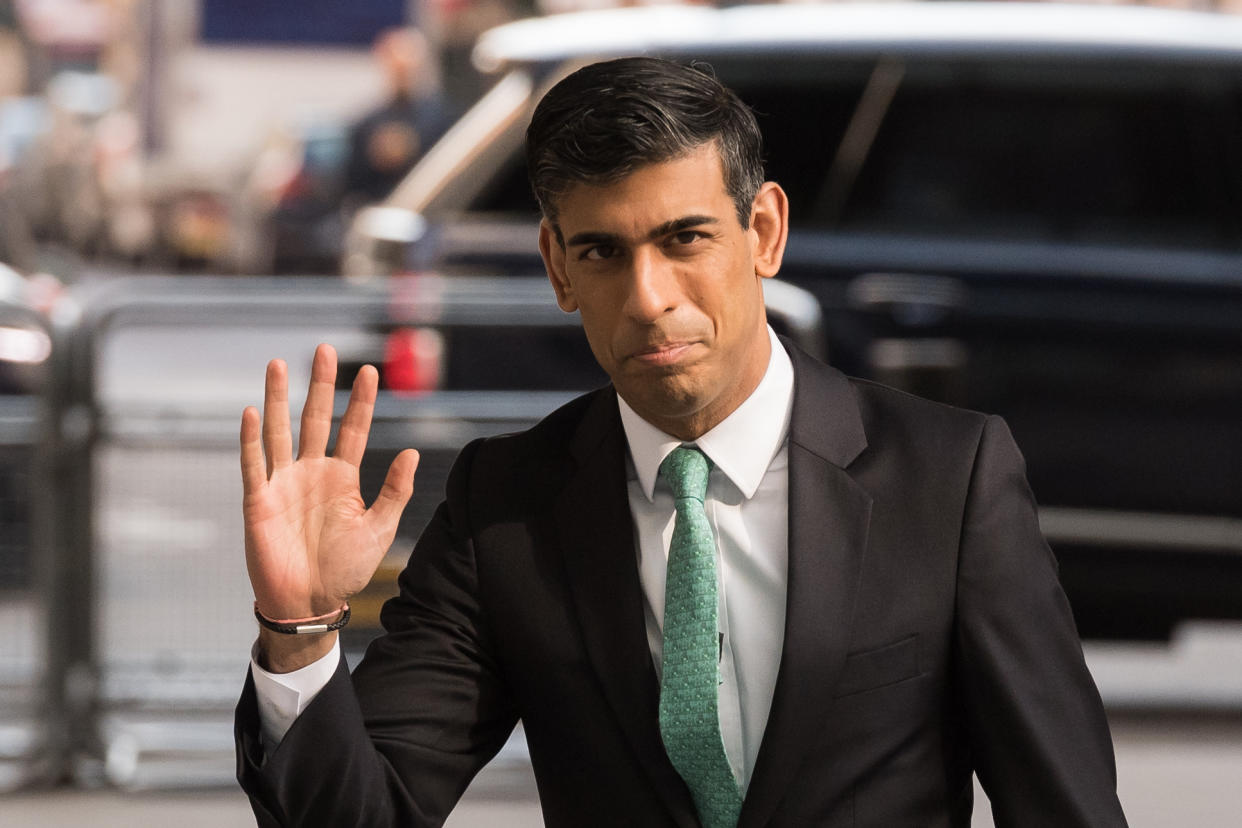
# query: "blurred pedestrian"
{"type": "Point", "coordinates": [386, 142]}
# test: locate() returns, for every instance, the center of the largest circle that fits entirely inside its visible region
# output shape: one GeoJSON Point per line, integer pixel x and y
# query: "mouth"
{"type": "Point", "coordinates": [663, 354]}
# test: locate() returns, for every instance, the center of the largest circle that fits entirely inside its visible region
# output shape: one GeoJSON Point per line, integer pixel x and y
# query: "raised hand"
{"type": "Point", "coordinates": [311, 542]}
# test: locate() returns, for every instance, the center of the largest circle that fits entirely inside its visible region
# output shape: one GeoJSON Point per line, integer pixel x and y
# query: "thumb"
{"type": "Point", "coordinates": [394, 494]}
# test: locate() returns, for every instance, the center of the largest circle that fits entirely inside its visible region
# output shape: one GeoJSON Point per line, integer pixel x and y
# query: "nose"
{"type": "Point", "coordinates": [653, 286]}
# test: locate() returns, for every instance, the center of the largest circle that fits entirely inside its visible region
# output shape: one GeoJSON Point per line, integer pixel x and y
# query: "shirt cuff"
{"type": "Point", "coordinates": [283, 696]}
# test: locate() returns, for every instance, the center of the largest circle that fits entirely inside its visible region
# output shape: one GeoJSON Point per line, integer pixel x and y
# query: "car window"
{"type": "Point", "coordinates": [804, 109]}
{"type": "Point", "coordinates": [1099, 154]}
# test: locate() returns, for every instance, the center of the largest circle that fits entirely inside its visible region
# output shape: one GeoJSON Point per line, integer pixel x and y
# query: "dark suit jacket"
{"type": "Point", "coordinates": [926, 636]}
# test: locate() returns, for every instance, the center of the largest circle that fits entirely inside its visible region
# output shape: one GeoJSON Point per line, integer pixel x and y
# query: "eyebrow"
{"type": "Point", "coordinates": [667, 228]}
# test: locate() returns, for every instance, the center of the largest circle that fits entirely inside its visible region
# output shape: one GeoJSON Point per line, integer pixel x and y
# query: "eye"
{"type": "Point", "coordinates": [598, 252]}
{"type": "Point", "coordinates": [686, 237]}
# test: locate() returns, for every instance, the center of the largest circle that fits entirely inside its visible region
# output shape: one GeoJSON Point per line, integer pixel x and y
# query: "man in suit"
{"type": "Point", "coordinates": [732, 588]}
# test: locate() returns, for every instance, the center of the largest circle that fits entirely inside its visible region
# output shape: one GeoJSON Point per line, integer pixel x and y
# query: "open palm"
{"type": "Point", "coordinates": [311, 542]}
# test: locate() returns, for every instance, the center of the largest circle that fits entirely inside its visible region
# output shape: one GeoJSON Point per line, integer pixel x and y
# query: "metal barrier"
{"type": "Point", "coordinates": [151, 631]}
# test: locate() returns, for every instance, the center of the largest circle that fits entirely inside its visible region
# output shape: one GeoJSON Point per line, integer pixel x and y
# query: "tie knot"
{"type": "Point", "coordinates": [686, 470]}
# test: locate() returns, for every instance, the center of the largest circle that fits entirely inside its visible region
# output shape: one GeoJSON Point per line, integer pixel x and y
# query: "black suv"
{"type": "Point", "coordinates": [1034, 211]}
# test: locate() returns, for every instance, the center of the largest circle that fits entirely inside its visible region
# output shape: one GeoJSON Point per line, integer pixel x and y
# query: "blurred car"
{"type": "Point", "coordinates": [25, 352]}
{"type": "Point", "coordinates": [25, 337]}
{"type": "Point", "coordinates": [25, 346]}
{"type": "Point", "coordinates": [1032, 210]}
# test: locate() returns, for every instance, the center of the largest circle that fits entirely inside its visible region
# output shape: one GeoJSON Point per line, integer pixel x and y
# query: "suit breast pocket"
{"type": "Point", "coordinates": [879, 667]}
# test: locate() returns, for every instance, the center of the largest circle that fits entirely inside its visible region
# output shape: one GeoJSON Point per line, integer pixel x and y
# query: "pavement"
{"type": "Point", "coordinates": [499, 797]}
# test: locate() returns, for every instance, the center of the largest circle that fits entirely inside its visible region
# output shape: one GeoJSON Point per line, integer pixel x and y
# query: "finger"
{"type": "Point", "coordinates": [317, 413]}
{"type": "Point", "coordinates": [351, 442]}
{"type": "Point", "coordinates": [394, 494]}
{"type": "Point", "coordinates": [254, 474]}
{"type": "Point", "coordinates": [277, 440]}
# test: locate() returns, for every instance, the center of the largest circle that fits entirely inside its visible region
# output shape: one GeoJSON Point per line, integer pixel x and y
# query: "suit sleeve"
{"type": "Point", "coordinates": [1038, 733]}
{"type": "Point", "coordinates": [398, 742]}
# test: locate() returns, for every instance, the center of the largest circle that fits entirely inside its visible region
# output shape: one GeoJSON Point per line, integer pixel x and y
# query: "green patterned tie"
{"type": "Point", "coordinates": [689, 719]}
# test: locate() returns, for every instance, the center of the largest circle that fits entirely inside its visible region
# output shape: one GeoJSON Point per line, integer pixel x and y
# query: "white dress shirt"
{"type": "Point", "coordinates": [747, 505]}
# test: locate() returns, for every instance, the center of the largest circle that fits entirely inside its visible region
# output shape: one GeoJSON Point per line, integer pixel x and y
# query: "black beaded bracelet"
{"type": "Point", "coordinates": [303, 626]}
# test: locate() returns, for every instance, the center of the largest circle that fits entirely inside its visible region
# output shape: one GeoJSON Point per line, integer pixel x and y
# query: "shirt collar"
{"type": "Point", "coordinates": [742, 445]}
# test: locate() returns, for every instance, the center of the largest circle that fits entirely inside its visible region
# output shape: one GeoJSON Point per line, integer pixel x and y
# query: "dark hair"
{"type": "Point", "coordinates": [608, 119]}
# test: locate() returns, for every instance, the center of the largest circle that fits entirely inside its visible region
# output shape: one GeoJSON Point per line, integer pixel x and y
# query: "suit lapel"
{"type": "Point", "coordinates": [829, 520]}
{"type": "Point", "coordinates": [597, 538]}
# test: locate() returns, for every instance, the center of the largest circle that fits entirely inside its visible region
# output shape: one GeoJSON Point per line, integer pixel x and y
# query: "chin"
{"type": "Point", "coordinates": [670, 398]}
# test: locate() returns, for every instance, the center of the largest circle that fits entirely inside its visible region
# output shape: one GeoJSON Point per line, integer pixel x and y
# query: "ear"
{"type": "Point", "coordinates": [553, 253]}
{"type": "Point", "coordinates": [769, 228]}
